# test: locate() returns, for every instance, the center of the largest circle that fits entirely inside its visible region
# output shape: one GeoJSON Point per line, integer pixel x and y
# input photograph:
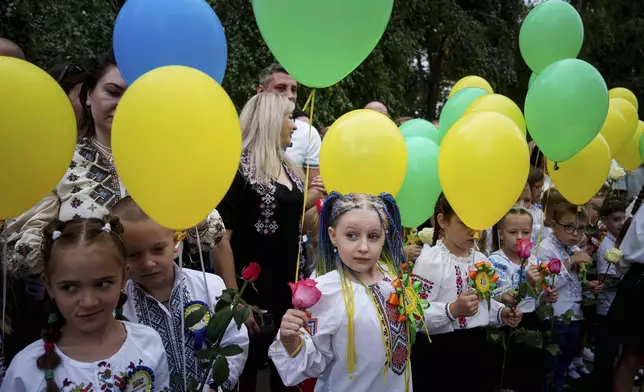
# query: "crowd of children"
{"type": "Point", "coordinates": [388, 319]}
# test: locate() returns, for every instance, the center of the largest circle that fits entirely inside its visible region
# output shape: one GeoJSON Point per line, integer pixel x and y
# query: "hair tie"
{"type": "Point", "coordinates": [56, 235]}
{"type": "Point", "coordinates": [49, 374]}
{"type": "Point", "coordinates": [319, 203]}
{"type": "Point", "coordinates": [107, 228]}
{"type": "Point", "coordinates": [53, 318]}
{"type": "Point", "coordinates": [49, 346]}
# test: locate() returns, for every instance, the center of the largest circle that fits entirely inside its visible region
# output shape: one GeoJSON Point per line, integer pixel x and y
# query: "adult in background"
{"type": "Point", "coordinates": [303, 151]}
{"type": "Point", "coordinates": [262, 213]}
{"type": "Point", "coordinates": [378, 107]}
{"type": "Point", "coordinates": [11, 49]}
{"type": "Point", "coordinates": [70, 76]}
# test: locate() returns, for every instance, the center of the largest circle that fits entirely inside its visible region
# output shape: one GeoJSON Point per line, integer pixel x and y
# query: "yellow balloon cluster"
{"type": "Point", "coordinates": [621, 92]}
{"type": "Point", "coordinates": [582, 176]}
{"type": "Point", "coordinates": [177, 142]}
{"type": "Point", "coordinates": [483, 161]}
{"type": "Point", "coordinates": [629, 156]}
{"type": "Point", "coordinates": [500, 104]}
{"type": "Point", "coordinates": [363, 152]}
{"type": "Point", "coordinates": [615, 130]}
{"type": "Point", "coordinates": [471, 81]}
{"type": "Point", "coordinates": [37, 135]}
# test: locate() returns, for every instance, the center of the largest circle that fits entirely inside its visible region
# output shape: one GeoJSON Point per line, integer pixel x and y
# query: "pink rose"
{"type": "Point", "coordinates": [554, 266]}
{"type": "Point", "coordinates": [524, 248]}
{"type": "Point", "coordinates": [305, 293]}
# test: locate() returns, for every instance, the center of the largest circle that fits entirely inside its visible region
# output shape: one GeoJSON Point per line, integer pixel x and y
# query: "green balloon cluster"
{"type": "Point", "coordinates": [418, 194]}
{"type": "Point", "coordinates": [418, 127]}
{"type": "Point", "coordinates": [338, 35]}
{"type": "Point", "coordinates": [456, 107]}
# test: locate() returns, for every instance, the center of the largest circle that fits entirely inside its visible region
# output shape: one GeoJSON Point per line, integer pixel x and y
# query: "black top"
{"type": "Point", "coordinates": [265, 220]}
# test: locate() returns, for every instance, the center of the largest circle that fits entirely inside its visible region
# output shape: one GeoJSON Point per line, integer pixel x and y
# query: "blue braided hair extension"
{"type": "Point", "coordinates": [336, 205]}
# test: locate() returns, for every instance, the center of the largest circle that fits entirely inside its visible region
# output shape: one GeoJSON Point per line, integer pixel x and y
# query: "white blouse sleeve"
{"type": "Point", "coordinates": [429, 270]}
{"type": "Point", "coordinates": [209, 234]}
{"type": "Point", "coordinates": [633, 243]}
{"type": "Point", "coordinates": [495, 313]}
{"type": "Point", "coordinates": [317, 350]}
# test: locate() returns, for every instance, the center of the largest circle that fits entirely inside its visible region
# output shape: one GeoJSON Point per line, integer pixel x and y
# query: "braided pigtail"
{"type": "Point", "coordinates": [50, 360]}
{"type": "Point", "coordinates": [393, 251]}
{"type": "Point", "coordinates": [326, 260]}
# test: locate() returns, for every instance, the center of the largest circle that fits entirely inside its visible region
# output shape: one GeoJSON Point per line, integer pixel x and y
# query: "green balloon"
{"type": "Point", "coordinates": [421, 128]}
{"type": "Point", "coordinates": [565, 108]}
{"type": "Point", "coordinates": [421, 188]}
{"type": "Point", "coordinates": [642, 147]}
{"type": "Point", "coordinates": [552, 31]}
{"type": "Point", "coordinates": [333, 38]}
{"type": "Point", "coordinates": [456, 107]}
{"type": "Point", "coordinates": [532, 78]}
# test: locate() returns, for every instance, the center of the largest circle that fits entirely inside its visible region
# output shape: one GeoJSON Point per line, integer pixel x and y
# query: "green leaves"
{"type": "Point", "coordinates": [553, 349]}
{"type": "Point", "coordinates": [221, 371]}
{"type": "Point", "coordinates": [241, 315]}
{"type": "Point", "coordinates": [534, 339]}
{"type": "Point", "coordinates": [218, 325]}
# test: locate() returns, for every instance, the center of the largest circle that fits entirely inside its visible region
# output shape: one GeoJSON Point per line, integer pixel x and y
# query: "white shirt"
{"type": "Point", "coordinates": [304, 150]}
{"type": "Point", "coordinates": [444, 277]}
{"type": "Point", "coordinates": [188, 287]}
{"type": "Point", "coordinates": [568, 286]}
{"type": "Point", "coordinates": [605, 298]}
{"type": "Point", "coordinates": [633, 242]}
{"type": "Point", "coordinates": [324, 355]}
{"type": "Point", "coordinates": [510, 278]}
{"type": "Point", "coordinates": [141, 358]}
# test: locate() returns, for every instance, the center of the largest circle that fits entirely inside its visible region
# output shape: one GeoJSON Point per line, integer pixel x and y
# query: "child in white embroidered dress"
{"type": "Point", "coordinates": [457, 315]}
{"type": "Point", "coordinates": [568, 224]}
{"type": "Point", "coordinates": [517, 267]}
{"type": "Point", "coordinates": [85, 347]}
{"type": "Point", "coordinates": [613, 215]}
{"type": "Point", "coordinates": [160, 293]}
{"type": "Point", "coordinates": [357, 340]}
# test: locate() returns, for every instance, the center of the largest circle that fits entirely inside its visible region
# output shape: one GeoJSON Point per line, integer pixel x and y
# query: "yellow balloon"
{"type": "Point", "coordinates": [471, 81]}
{"type": "Point", "coordinates": [615, 131]}
{"type": "Point", "coordinates": [621, 92]}
{"type": "Point", "coordinates": [483, 166]}
{"type": "Point", "coordinates": [500, 104]}
{"type": "Point", "coordinates": [177, 143]}
{"type": "Point", "coordinates": [363, 152]}
{"type": "Point", "coordinates": [37, 135]}
{"type": "Point", "coordinates": [582, 176]}
{"type": "Point", "coordinates": [629, 112]}
{"type": "Point", "coordinates": [629, 156]}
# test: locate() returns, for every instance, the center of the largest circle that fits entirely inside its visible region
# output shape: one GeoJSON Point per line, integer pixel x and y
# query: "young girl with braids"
{"type": "Point", "coordinates": [357, 340]}
{"type": "Point", "coordinates": [457, 315]}
{"type": "Point", "coordinates": [84, 347]}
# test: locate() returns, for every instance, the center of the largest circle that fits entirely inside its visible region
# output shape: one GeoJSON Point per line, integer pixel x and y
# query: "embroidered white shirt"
{"type": "Point", "coordinates": [324, 355]}
{"type": "Point", "coordinates": [510, 278]}
{"type": "Point", "coordinates": [189, 286]}
{"type": "Point", "coordinates": [605, 298]}
{"type": "Point", "coordinates": [444, 277]}
{"type": "Point", "coordinates": [141, 355]}
{"type": "Point", "coordinates": [568, 286]}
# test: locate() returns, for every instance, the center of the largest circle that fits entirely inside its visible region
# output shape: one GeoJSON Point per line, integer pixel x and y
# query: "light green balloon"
{"type": "Point", "coordinates": [565, 108]}
{"type": "Point", "coordinates": [418, 194]}
{"type": "Point", "coordinates": [320, 42]}
{"type": "Point", "coordinates": [456, 107]}
{"type": "Point", "coordinates": [418, 127]}
{"type": "Point", "coordinates": [532, 78]}
{"type": "Point", "coordinates": [552, 31]}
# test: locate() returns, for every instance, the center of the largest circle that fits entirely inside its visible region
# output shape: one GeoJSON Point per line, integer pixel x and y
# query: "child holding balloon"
{"type": "Point", "coordinates": [458, 314]}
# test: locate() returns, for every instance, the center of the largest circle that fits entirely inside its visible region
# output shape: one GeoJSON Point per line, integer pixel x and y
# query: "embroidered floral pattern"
{"type": "Point", "coordinates": [395, 330]}
{"type": "Point", "coordinates": [462, 321]}
{"type": "Point", "coordinates": [426, 286]}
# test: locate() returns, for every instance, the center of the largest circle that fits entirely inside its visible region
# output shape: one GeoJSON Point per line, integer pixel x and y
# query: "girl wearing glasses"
{"type": "Point", "coordinates": [568, 226]}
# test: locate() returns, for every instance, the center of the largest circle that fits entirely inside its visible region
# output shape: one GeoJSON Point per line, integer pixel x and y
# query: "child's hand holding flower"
{"type": "Point", "coordinates": [532, 275]}
{"type": "Point", "coordinates": [613, 256]}
{"type": "Point", "coordinates": [305, 293]}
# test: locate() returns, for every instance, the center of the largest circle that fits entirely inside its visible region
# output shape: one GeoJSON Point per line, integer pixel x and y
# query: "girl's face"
{"type": "Point", "coordinates": [514, 228]}
{"type": "Point", "coordinates": [525, 200]}
{"type": "Point", "coordinates": [569, 229]}
{"type": "Point", "coordinates": [455, 231]}
{"type": "Point", "coordinates": [86, 283]}
{"type": "Point", "coordinates": [537, 190]}
{"type": "Point", "coordinates": [288, 127]}
{"type": "Point", "coordinates": [104, 98]}
{"type": "Point", "coordinates": [359, 237]}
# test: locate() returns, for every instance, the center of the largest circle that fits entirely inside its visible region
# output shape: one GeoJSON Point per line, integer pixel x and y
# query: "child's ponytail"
{"type": "Point", "coordinates": [49, 361]}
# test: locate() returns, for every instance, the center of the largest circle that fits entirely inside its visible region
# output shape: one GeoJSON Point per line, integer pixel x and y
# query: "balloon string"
{"type": "Point", "coordinates": [309, 100]}
{"type": "Point", "coordinates": [543, 220]}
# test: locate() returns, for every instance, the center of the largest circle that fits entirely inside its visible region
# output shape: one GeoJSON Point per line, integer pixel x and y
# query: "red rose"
{"type": "Point", "coordinates": [554, 266]}
{"type": "Point", "coordinates": [524, 248]}
{"type": "Point", "coordinates": [305, 293]}
{"type": "Point", "coordinates": [251, 272]}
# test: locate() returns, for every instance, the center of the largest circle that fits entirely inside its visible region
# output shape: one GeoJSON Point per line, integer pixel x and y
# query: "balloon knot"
{"type": "Point", "coordinates": [556, 166]}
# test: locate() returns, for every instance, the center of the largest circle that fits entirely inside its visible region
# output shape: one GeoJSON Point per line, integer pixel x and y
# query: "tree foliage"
{"type": "Point", "coordinates": [427, 46]}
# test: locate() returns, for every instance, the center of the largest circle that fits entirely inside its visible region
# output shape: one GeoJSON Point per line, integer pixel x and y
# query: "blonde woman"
{"type": "Point", "coordinates": [262, 213]}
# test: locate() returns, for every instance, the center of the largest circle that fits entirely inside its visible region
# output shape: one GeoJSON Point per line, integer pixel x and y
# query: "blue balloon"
{"type": "Point", "coordinates": [149, 34]}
